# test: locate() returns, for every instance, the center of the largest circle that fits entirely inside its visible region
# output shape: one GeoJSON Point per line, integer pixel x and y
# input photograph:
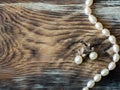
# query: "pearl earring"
{"type": "Point", "coordinates": [93, 55]}
{"type": "Point", "coordinates": [79, 58]}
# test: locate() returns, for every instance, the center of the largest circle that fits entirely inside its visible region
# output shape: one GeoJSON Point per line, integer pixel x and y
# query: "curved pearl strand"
{"type": "Point", "coordinates": [112, 40]}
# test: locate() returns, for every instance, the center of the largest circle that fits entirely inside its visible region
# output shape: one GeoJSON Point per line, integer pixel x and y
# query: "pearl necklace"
{"type": "Point", "coordinates": [112, 40]}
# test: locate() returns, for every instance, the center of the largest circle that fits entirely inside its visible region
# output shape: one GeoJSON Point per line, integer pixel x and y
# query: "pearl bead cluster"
{"type": "Point", "coordinates": [112, 40]}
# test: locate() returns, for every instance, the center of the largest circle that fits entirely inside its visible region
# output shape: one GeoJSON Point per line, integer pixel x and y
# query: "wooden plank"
{"type": "Point", "coordinates": [38, 42]}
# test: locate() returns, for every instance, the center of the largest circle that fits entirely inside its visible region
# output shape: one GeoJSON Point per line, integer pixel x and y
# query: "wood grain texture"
{"type": "Point", "coordinates": [38, 42]}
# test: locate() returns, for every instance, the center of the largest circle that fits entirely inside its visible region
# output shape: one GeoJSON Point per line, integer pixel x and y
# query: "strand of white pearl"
{"type": "Point", "coordinates": [111, 38]}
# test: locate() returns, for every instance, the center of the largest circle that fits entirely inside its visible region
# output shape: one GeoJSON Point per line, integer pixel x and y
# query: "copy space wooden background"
{"type": "Point", "coordinates": [39, 39]}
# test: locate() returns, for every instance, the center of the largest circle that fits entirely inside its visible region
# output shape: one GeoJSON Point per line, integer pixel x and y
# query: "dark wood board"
{"type": "Point", "coordinates": [39, 40]}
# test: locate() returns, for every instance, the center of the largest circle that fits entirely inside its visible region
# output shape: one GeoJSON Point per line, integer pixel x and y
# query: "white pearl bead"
{"type": "Point", "coordinates": [78, 59]}
{"type": "Point", "coordinates": [97, 77]}
{"type": "Point", "coordinates": [90, 84]}
{"type": "Point", "coordinates": [85, 88]}
{"type": "Point", "coordinates": [116, 48]}
{"type": "Point", "coordinates": [111, 66]}
{"type": "Point", "coordinates": [99, 26]}
{"type": "Point", "coordinates": [104, 72]}
{"type": "Point", "coordinates": [116, 57]}
{"type": "Point", "coordinates": [88, 11]}
{"type": "Point", "coordinates": [89, 2]}
{"type": "Point", "coordinates": [92, 19]}
{"type": "Point", "coordinates": [106, 32]}
{"type": "Point", "coordinates": [93, 55]}
{"type": "Point", "coordinates": [112, 39]}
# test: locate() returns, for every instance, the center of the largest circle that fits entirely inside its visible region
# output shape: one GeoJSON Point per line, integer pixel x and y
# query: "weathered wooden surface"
{"type": "Point", "coordinates": [38, 42]}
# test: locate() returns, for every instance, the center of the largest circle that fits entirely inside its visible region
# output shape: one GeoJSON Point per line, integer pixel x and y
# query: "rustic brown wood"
{"type": "Point", "coordinates": [38, 44]}
{"type": "Point", "coordinates": [44, 1]}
